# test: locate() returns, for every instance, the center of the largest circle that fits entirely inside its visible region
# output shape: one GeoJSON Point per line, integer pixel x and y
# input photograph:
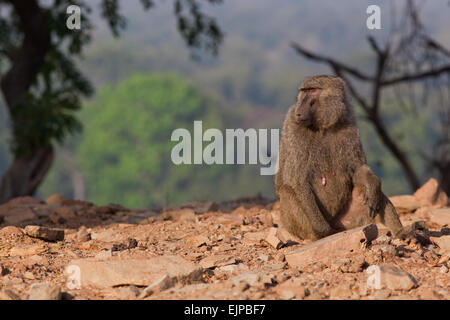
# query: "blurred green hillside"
{"type": "Point", "coordinates": [147, 85]}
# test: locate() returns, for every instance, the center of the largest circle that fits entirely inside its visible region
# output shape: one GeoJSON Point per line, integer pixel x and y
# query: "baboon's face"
{"type": "Point", "coordinates": [307, 106]}
{"type": "Point", "coordinates": [320, 102]}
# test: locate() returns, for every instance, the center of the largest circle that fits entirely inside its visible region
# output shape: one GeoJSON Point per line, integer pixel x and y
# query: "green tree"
{"type": "Point", "coordinates": [42, 86]}
{"type": "Point", "coordinates": [124, 153]}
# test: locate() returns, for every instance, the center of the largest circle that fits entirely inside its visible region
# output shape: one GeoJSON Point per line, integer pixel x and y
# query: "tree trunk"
{"type": "Point", "coordinates": [25, 174]}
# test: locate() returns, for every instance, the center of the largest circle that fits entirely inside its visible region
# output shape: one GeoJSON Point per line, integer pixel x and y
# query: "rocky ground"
{"type": "Point", "coordinates": [67, 249]}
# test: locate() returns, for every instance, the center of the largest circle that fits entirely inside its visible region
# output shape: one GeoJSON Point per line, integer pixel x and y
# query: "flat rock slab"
{"type": "Point", "coordinates": [44, 233]}
{"type": "Point", "coordinates": [405, 203]}
{"type": "Point", "coordinates": [338, 244]}
{"type": "Point", "coordinates": [440, 216]}
{"type": "Point", "coordinates": [443, 242]}
{"type": "Point", "coordinates": [16, 215]}
{"type": "Point", "coordinates": [139, 272]}
{"type": "Point", "coordinates": [390, 277]}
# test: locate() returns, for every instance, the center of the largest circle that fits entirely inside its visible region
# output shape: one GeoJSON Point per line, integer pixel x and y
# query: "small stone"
{"type": "Point", "coordinates": [44, 233]}
{"type": "Point", "coordinates": [431, 194]}
{"type": "Point", "coordinates": [382, 294]}
{"type": "Point", "coordinates": [7, 294]}
{"type": "Point", "coordinates": [294, 285]}
{"type": "Point", "coordinates": [287, 294]}
{"type": "Point", "coordinates": [255, 236]}
{"type": "Point", "coordinates": [405, 203]}
{"type": "Point", "coordinates": [44, 291]}
{"type": "Point", "coordinates": [440, 216]}
{"type": "Point", "coordinates": [82, 235]}
{"type": "Point", "coordinates": [65, 212]}
{"type": "Point", "coordinates": [196, 241]}
{"type": "Point", "coordinates": [443, 269]}
{"type": "Point", "coordinates": [127, 292]}
{"type": "Point", "coordinates": [217, 261]}
{"type": "Point", "coordinates": [266, 219]}
{"type": "Point", "coordinates": [179, 215]}
{"type": "Point", "coordinates": [428, 294]}
{"type": "Point", "coordinates": [272, 238]}
{"type": "Point", "coordinates": [263, 257]}
{"type": "Point", "coordinates": [392, 277]}
{"type": "Point", "coordinates": [341, 292]}
{"type": "Point", "coordinates": [29, 275]}
{"type": "Point", "coordinates": [242, 286]}
{"type": "Point", "coordinates": [55, 199]}
{"type": "Point", "coordinates": [280, 257]}
{"type": "Point", "coordinates": [286, 237]}
{"type": "Point", "coordinates": [104, 254]}
{"type": "Point", "coordinates": [161, 284]}
{"type": "Point", "coordinates": [250, 277]}
{"type": "Point", "coordinates": [28, 250]}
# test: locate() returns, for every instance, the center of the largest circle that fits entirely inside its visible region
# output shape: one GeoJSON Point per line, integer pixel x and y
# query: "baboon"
{"type": "Point", "coordinates": [323, 181]}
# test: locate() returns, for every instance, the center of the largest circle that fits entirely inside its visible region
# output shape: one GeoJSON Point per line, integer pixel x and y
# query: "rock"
{"type": "Point", "coordinates": [200, 207]}
{"type": "Point", "coordinates": [333, 246]}
{"type": "Point", "coordinates": [263, 257]}
{"type": "Point", "coordinates": [16, 215]}
{"type": "Point", "coordinates": [179, 215]}
{"type": "Point", "coordinates": [82, 235]}
{"type": "Point", "coordinates": [255, 236]}
{"type": "Point", "coordinates": [265, 218]}
{"type": "Point", "coordinates": [27, 250]}
{"type": "Point", "coordinates": [196, 241]}
{"type": "Point", "coordinates": [443, 242]}
{"type": "Point", "coordinates": [428, 294]}
{"type": "Point", "coordinates": [250, 277]}
{"type": "Point", "coordinates": [286, 237]}
{"type": "Point", "coordinates": [161, 284]}
{"type": "Point", "coordinates": [24, 201]}
{"type": "Point", "coordinates": [440, 216]}
{"type": "Point", "coordinates": [7, 294]}
{"type": "Point", "coordinates": [293, 285]}
{"type": "Point", "coordinates": [431, 194]}
{"type": "Point", "coordinates": [44, 291]}
{"type": "Point", "coordinates": [391, 277]}
{"type": "Point", "coordinates": [44, 233]}
{"type": "Point", "coordinates": [65, 212]}
{"type": "Point", "coordinates": [287, 294]}
{"type": "Point", "coordinates": [55, 199]}
{"type": "Point", "coordinates": [138, 272]}
{"type": "Point", "coordinates": [382, 294]}
{"type": "Point", "coordinates": [217, 261]}
{"type": "Point", "coordinates": [228, 219]}
{"type": "Point", "coordinates": [104, 254]}
{"type": "Point", "coordinates": [127, 292]}
{"type": "Point", "coordinates": [405, 203]}
{"type": "Point", "coordinates": [272, 238]}
{"type": "Point", "coordinates": [10, 232]}
{"type": "Point", "coordinates": [341, 292]}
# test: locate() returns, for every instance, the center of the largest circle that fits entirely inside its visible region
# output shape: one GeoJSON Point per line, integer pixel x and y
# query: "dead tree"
{"type": "Point", "coordinates": [408, 59]}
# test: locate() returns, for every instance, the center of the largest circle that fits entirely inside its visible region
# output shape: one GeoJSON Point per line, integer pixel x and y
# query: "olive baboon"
{"type": "Point", "coordinates": [323, 181]}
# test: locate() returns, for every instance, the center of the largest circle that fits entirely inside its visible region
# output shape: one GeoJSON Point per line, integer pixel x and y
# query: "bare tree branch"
{"type": "Point", "coordinates": [336, 64]}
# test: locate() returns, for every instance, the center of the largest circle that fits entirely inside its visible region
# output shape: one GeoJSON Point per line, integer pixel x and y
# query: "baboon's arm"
{"type": "Point", "coordinates": [364, 177]}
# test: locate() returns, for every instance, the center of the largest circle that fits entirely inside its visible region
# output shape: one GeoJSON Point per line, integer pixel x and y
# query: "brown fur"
{"type": "Point", "coordinates": [323, 181]}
